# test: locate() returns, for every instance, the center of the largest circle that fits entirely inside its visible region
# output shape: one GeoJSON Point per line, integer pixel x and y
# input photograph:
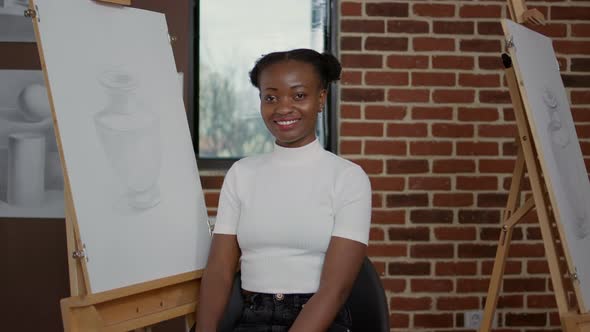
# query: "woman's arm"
{"type": "Point", "coordinates": [341, 267]}
{"type": "Point", "coordinates": [217, 281]}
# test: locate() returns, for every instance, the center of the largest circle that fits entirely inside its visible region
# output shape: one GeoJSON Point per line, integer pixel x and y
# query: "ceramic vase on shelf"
{"type": "Point", "coordinates": [130, 135]}
{"type": "Point", "coordinates": [26, 169]}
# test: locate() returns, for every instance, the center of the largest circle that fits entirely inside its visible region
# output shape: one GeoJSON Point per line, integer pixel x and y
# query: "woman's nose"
{"type": "Point", "coordinates": [284, 106]}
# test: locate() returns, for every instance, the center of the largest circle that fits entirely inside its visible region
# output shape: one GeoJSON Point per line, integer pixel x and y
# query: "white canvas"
{"type": "Point", "coordinates": [31, 181]}
{"type": "Point", "coordinates": [14, 26]}
{"type": "Point", "coordinates": [556, 141]}
{"type": "Point", "coordinates": [126, 141]}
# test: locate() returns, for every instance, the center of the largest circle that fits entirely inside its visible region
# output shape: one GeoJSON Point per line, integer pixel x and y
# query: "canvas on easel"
{"type": "Point", "coordinates": [549, 152]}
{"type": "Point", "coordinates": [136, 220]}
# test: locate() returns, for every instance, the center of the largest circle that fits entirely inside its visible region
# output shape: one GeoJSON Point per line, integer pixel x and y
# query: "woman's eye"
{"type": "Point", "coordinates": [299, 96]}
{"type": "Point", "coordinates": [270, 99]}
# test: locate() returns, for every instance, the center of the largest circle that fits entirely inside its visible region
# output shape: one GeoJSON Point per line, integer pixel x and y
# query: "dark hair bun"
{"type": "Point", "coordinates": [332, 67]}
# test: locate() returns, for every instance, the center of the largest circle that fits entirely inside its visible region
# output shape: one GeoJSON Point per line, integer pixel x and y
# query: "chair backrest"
{"type": "Point", "coordinates": [367, 303]}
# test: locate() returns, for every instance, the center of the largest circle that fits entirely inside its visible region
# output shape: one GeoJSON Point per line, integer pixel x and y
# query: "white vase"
{"type": "Point", "coordinates": [130, 135]}
{"type": "Point", "coordinates": [26, 169]}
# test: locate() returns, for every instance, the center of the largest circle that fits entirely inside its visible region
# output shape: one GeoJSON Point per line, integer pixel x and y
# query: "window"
{"type": "Point", "coordinates": [230, 35]}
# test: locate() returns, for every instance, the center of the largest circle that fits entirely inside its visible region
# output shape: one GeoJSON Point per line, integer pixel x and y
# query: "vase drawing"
{"type": "Point", "coordinates": [571, 173]}
{"type": "Point", "coordinates": [130, 136]}
{"type": "Point", "coordinates": [26, 169]}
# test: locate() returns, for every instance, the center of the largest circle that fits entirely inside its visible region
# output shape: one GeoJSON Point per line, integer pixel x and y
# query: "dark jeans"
{"type": "Point", "coordinates": [276, 313]}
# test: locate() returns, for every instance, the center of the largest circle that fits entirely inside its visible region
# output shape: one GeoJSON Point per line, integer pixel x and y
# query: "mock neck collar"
{"type": "Point", "coordinates": [299, 154]}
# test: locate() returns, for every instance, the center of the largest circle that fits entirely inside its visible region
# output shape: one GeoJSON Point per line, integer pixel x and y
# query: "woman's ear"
{"type": "Point", "coordinates": [323, 96]}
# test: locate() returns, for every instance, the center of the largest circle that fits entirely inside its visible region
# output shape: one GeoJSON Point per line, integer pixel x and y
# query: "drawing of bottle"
{"type": "Point", "coordinates": [130, 136]}
{"type": "Point", "coordinates": [571, 174]}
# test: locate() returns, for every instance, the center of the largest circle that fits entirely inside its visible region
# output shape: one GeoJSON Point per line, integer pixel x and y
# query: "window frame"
{"type": "Point", "coordinates": [331, 121]}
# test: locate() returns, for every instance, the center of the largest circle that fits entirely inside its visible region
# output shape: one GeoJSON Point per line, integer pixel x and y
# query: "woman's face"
{"type": "Point", "coordinates": [291, 96]}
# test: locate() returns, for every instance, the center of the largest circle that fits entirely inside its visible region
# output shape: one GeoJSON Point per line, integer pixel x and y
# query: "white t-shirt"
{"type": "Point", "coordinates": [284, 207]}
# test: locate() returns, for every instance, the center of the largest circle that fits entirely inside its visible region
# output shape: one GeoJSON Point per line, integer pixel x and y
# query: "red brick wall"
{"type": "Point", "coordinates": [425, 111]}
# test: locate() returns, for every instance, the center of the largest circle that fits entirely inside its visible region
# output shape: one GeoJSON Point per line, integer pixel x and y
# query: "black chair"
{"type": "Point", "coordinates": [367, 303]}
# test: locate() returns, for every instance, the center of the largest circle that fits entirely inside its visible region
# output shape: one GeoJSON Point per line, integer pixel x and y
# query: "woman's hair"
{"type": "Point", "coordinates": [326, 65]}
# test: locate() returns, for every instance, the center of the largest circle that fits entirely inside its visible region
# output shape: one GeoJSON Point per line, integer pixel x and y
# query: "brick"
{"type": "Point", "coordinates": [526, 250]}
{"type": "Point", "coordinates": [350, 147]}
{"type": "Point", "coordinates": [478, 114]}
{"type": "Point", "coordinates": [361, 129]}
{"type": "Point", "coordinates": [490, 62]}
{"type": "Point", "coordinates": [432, 113]}
{"type": "Point", "coordinates": [431, 216]}
{"type": "Point", "coordinates": [452, 130]}
{"type": "Point", "coordinates": [455, 233]}
{"type": "Point", "coordinates": [572, 47]}
{"type": "Point", "coordinates": [406, 166]}
{"type": "Point", "coordinates": [452, 62]}
{"type": "Point", "coordinates": [510, 301]}
{"type": "Point", "coordinates": [454, 200]}
{"type": "Point", "coordinates": [476, 250]}
{"type": "Point", "coordinates": [454, 96]}
{"type": "Point", "coordinates": [394, 285]}
{"type": "Point", "coordinates": [455, 268]}
{"type": "Point", "coordinates": [552, 30]}
{"type": "Point", "coordinates": [429, 183]}
{"type": "Point", "coordinates": [378, 112]}
{"type": "Point", "coordinates": [433, 79]}
{"type": "Point", "coordinates": [490, 28]}
{"type": "Point", "coordinates": [529, 284]}
{"type": "Point", "coordinates": [493, 234]}
{"type": "Point", "coordinates": [541, 301]}
{"type": "Point", "coordinates": [432, 251]}
{"type": "Point", "coordinates": [399, 303]}
{"type": "Point", "coordinates": [351, 43]}
{"type": "Point", "coordinates": [495, 97]}
{"type": "Point", "coordinates": [376, 200]}
{"type": "Point", "coordinates": [407, 61]}
{"type": "Point", "coordinates": [472, 285]}
{"type": "Point", "coordinates": [407, 130]}
{"type": "Point", "coordinates": [388, 216]}
{"type": "Point", "coordinates": [537, 267]}
{"type": "Point", "coordinates": [387, 9]}
{"type": "Point", "coordinates": [376, 234]}
{"type": "Point", "coordinates": [434, 10]}
{"type": "Point", "coordinates": [351, 9]}
{"type": "Point", "coordinates": [386, 78]}
{"type": "Point", "coordinates": [370, 166]}
{"type": "Point", "coordinates": [349, 77]}
{"type": "Point", "coordinates": [480, 11]}
{"type": "Point", "coordinates": [480, 45]}
{"type": "Point", "coordinates": [361, 60]}
{"type": "Point", "coordinates": [403, 26]}
{"type": "Point", "coordinates": [453, 27]}
{"type": "Point", "coordinates": [580, 30]}
{"type": "Point", "coordinates": [496, 165]}
{"type": "Point", "coordinates": [428, 44]}
{"type": "Point", "coordinates": [410, 269]}
{"type": "Point", "coordinates": [211, 182]}
{"type": "Point", "coordinates": [580, 64]}
{"type": "Point", "coordinates": [477, 183]}
{"type": "Point", "coordinates": [492, 200]}
{"type": "Point", "coordinates": [453, 166]}
{"type": "Point", "coordinates": [362, 95]}
{"type": "Point", "coordinates": [405, 200]}
{"type": "Point", "coordinates": [409, 234]}
{"type": "Point", "coordinates": [569, 13]}
{"type": "Point", "coordinates": [408, 95]}
{"type": "Point", "coordinates": [363, 26]}
{"type": "Point", "coordinates": [399, 320]}
{"type": "Point", "coordinates": [387, 250]}
{"type": "Point", "coordinates": [431, 286]}
{"type": "Point", "coordinates": [388, 183]}
{"type": "Point", "coordinates": [477, 148]}
{"type": "Point", "coordinates": [348, 111]}
{"type": "Point", "coordinates": [431, 148]}
{"type": "Point", "coordinates": [508, 130]}
{"type": "Point", "coordinates": [211, 199]}
{"type": "Point", "coordinates": [386, 43]}
{"type": "Point", "coordinates": [457, 303]}
{"type": "Point", "coordinates": [576, 81]}
{"type": "Point", "coordinates": [580, 97]}
{"type": "Point", "coordinates": [479, 80]}
{"type": "Point", "coordinates": [443, 320]}
{"type": "Point", "coordinates": [381, 147]}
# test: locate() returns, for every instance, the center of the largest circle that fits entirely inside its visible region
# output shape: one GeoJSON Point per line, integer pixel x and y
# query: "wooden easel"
{"type": "Point", "coordinates": [568, 297]}
{"type": "Point", "coordinates": [123, 309]}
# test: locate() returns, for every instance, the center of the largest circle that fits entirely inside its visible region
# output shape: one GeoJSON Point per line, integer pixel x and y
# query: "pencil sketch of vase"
{"type": "Point", "coordinates": [572, 174]}
{"type": "Point", "coordinates": [130, 135]}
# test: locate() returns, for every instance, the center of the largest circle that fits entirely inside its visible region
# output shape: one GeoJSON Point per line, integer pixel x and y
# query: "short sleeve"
{"type": "Point", "coordinates": [352, 205]}
{"type": "Point", "coordinates": [228, 211]}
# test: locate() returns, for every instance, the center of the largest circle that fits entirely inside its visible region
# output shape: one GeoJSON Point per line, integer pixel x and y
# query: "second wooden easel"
{"type": "Point", "coordinates": [124, 309]}
{"type": "Point", "coordinates": [572, 310]}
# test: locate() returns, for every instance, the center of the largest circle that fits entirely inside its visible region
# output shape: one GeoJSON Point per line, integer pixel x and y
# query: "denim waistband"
{"type": "Point", "coordinates": [298, 298]}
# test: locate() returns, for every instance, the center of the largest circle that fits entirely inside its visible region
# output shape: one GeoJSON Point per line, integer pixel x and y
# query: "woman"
{"type": "Point", "coordinates": [297, 219]}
